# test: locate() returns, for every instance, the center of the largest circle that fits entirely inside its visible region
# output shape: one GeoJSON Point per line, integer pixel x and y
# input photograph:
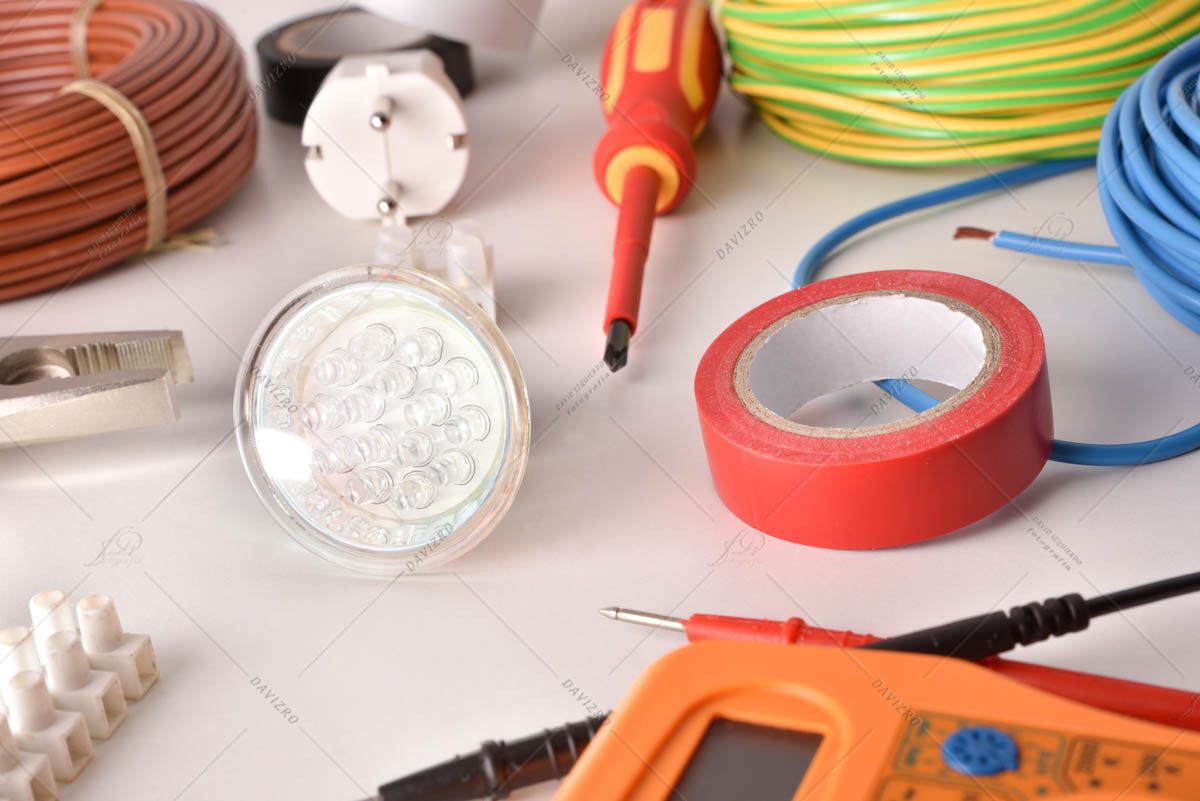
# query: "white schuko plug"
{"type": "Point", "coordinates": [386, 136]}
{"type": "Point", "coordinates": [387, 140]}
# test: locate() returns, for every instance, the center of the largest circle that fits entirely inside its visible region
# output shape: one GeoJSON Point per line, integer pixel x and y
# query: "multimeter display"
{"type": "Point", "coordinates": [748, 762]}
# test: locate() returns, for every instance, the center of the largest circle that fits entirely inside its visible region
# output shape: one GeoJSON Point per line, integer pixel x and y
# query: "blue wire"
{"type": "Point", "coordinates": [1058, 249]}
{"type": "Point", "coordinates": [976, 186]}
{"type": "Point", "coordinates": [1148, 170]}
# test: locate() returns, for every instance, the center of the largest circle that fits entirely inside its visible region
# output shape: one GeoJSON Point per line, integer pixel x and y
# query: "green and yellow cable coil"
{"type": "Point", "coordinates": [934, 82]}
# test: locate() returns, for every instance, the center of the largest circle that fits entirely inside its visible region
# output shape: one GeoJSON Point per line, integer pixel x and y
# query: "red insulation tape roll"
{"type": "Point", "coordinates": [876, 485]}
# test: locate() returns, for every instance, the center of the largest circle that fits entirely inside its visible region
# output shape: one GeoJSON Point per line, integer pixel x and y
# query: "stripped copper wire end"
{"type": "Point", "coordinates": [970, 232]}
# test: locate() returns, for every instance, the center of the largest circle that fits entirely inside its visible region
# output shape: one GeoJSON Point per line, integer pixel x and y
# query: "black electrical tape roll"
{"type": "Point", "coordinates": [294, 58]}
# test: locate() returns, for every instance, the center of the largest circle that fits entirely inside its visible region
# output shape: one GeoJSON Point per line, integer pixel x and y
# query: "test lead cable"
{"type": "Point", "coordinates": [497, 768]}
{"type": "Point", "coordinates": [1164, 705]}
{"type": "Point", "coordinates": [992, 633]}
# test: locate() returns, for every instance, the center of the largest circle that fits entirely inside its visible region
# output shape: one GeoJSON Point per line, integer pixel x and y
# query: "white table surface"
{"type": "Point", "coordinates": [617, 506]}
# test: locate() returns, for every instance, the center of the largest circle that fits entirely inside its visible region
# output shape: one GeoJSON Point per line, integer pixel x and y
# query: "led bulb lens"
{"type": "Point", "coordinates": [417, 490]}
{"type": "Point", "coordinates": [452, 467]}
{"type": "Point", "coordinates": [365, 405]}
{"type": "Point", "coordinates": [375, 535]}
{"type": "Point", "coordinates": [382, 415]}
{"type": "Point", "coordinates": [375, 343]}
{"type": "Point", "coordinates": [428, 408]}
{"type": "Point", "coordinates": [338, 368]}
{"type": "Point", "coordinates": [421, 348]}
{"type": "Point", "coordinates": [327, 462]}
{"type": "Point", "coordinates": [378, 444]}
{"type": "Point", "coordinates": [455, 376]}
{"type": "Point", "coordinates": [346, 450]}
{"type": "Point", "coordinates": [369, 485]}
{"type": "Point", "coordinates": [318, 504]}
{"type": "Point", "coordinates": [396, 380]}
{"type": "Point", "coordinates": [471, 423]}
{"type": "Point", "coordinates": [415, 449]}
{"type": "Point", "coordinates": [323, 412]}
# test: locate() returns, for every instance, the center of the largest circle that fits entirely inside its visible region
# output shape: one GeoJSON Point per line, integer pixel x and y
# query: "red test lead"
{"type": "Point", "coordinates": [1145, 701]}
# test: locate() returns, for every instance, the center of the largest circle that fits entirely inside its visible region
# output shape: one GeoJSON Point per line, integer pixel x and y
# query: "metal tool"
{"type": "Point", "coordinates": [71, 385]}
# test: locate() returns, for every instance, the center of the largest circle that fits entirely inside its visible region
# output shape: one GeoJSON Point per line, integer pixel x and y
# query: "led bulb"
{"type": "Point", "coordinates": [380, 412]}
{"type": "Point", "coordinates": [417, 490]}
{"type": "Point", "coordinates": [318, 504]}
{"type": "Point", "coordinates": [338, 368]}
{"type": "Point", "coordinates": [338, 520]}
{"type": "Point", "coordinates": [362, 529]}
{"type": "Point", "coordinates": [397, 380]}
{"type": "Point", "coordinates": [365, 405]}
{"type": "Point", "coordinates": [323, 412]}
{"type": "Point", "coordinates": [375, 535]}
{"type": "Point", "coordinates": [375, 343]}
{"type": "Point", "coordinates": [421, 348]}
{"type": "Point", "coordinates": [455, 376]}
{"type": "Point", "coordinates": [369, 485]}
{"type": "Point", "coordinates": [377, 445]}
{"type": "Point", "coordinates": [415, 449]}
{"type": "Point", "coordinates": [428, 408]}
{"type": "Point", "coordinates": [326, 461]}
{"type": "Point", "coordinates": [346, 449]}
{"type": "Point", "coordinates": [471, 423]}
{"type": "Point", "coordinates": [452, 467]}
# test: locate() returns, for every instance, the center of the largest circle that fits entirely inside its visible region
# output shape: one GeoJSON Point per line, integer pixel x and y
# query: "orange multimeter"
{"type": "Point", "coordinates": [741, 721]}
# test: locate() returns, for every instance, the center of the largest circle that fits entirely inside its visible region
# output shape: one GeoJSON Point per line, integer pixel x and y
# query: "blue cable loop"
{"type": "Point", "coordinates": [1148, 168]}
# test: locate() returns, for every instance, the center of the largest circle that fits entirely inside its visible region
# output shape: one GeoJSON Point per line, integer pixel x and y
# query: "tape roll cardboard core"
{"type": "Point", "coordinates": [866, 336]}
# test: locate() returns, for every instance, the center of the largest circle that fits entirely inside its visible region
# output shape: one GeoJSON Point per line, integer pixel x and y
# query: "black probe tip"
{"type": "Point", "coordinates": [616, 347]}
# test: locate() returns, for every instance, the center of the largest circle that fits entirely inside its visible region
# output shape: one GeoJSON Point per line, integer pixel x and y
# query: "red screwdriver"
{"type": "Point", "coordinates": [1145, 701]}
{"type": "Point", "coordinates": [662, 70]}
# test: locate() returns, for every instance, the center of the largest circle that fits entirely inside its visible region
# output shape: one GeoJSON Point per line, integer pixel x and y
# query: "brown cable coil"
{"type": "Point", "coordinates": [72, 194]}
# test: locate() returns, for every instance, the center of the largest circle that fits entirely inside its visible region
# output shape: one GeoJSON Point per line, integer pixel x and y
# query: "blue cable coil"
{"type": "Point", "coordinates": [1148, 172]}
